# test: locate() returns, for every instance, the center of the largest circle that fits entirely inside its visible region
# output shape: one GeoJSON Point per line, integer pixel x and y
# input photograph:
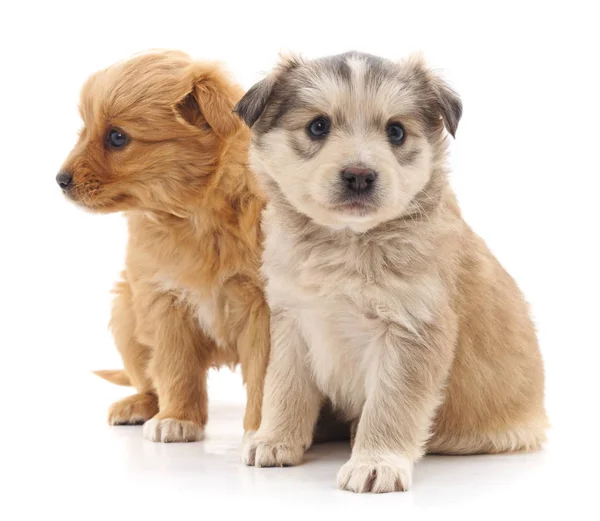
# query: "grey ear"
{"type": "Point", "coordinates": [253, 103]}
{"type": "Point", "coordinates": [450, 106]}
{"type": "Point", "coordinates": [447, 101]}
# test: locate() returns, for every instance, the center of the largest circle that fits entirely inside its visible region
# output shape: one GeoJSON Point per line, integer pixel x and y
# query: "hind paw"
{"type": "Point", "coordinates": [133, 410]}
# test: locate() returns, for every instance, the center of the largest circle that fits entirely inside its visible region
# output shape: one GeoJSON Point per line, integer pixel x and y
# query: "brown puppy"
{"type": "Point", "coordinates": [160, 143]}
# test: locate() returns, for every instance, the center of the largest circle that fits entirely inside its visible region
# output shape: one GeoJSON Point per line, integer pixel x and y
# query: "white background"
{"type": "Point", "coordinates": [525, 167]}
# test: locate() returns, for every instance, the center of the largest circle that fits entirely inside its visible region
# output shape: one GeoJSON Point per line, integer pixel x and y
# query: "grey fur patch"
{"type": "Point", "coordinates": [339, 66]}
{"type": "Point", "coordinates": [285, 105]}
{"type": "Point", "coordinates": [379, 71]}
{"type": "Point", "coordinates": [304, 150]}
{"type": "Point", "coordinates": [406, 157]}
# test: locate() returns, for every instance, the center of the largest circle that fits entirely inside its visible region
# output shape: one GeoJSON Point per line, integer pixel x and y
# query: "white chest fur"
{"type": "Point", "coordinates": [341, 309]}
{"type": "Point", "coordinates": [203, 307]}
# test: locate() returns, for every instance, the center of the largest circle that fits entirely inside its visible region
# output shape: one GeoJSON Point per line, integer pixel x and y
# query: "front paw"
{"type": "Point", "coordinates": [263, 452]}
{"type": "Point", "coordinates": [376, 473]}
{"type": "Point", "coordinates": [169, 430]}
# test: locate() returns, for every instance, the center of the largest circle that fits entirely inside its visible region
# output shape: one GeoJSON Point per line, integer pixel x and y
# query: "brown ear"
{"type": "Point", "coordinates": [211, 100]}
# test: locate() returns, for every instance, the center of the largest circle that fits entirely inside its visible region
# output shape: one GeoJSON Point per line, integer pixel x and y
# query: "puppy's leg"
{"type": "Point", "coordinates": [291, 403]}
{"type": "Point", "coordinates": [253, 347]}
{"type": "Point", "coordinates": [140, 407]}
{"type": "Point", "coordinates": [179, 365]}
{"type": "Point", "coordinates": [404, 386]}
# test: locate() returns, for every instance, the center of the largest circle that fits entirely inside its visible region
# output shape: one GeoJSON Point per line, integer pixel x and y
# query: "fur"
{"type": "Point", "coordinates": [191, 297]}
{"type": "Point", "coordinates": [388, 304]}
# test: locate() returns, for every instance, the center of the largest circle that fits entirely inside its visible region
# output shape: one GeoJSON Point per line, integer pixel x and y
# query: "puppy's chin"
{"type": "Point", "coordinates": [97, 202]}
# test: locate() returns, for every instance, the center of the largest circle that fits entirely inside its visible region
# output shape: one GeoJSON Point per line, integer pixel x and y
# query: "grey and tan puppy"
{"type": "Point", "coordinates": [383, 300]}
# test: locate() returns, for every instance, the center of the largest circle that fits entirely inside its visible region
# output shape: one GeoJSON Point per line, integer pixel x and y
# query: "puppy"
{"type": "Point", "coordinates": [382, 298]}
{"type": "Point", "coordinates": [160, 143]}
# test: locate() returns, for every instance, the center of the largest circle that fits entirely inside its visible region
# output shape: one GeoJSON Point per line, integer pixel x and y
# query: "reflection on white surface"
{"type": "Point", "coordinates": [75, 465]}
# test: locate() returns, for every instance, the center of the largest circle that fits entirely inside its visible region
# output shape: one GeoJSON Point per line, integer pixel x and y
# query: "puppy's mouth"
{"type": "Point", "coordinates": [83, 194]}
{"type": "Point", "coordinates": [356, 205]}
{"type": "Point", "coordinates": [354, 202]}
{"type": "Point", "coordinates": [92, 197]}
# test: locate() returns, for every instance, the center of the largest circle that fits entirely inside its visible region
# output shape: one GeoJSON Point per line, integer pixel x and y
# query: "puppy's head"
{"type": "Point", "coordinates": [349, 140]}
{"type": "Point", "coordinates": [154, 128]}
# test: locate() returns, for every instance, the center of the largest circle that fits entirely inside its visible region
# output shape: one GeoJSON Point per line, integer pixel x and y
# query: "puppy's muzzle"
{"type": "Point", "coordinates": [65, 180]}
{"type": "Point", "coordinates": [358, 181]}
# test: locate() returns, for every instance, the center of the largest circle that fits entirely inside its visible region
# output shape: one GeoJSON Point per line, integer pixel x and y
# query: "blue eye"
{"type": "Point", "coordinates": [115, 138]}
{"type": "Point", "coordinates": [395, 133]}
{"type": "Point", "coordinates": [318, 128]}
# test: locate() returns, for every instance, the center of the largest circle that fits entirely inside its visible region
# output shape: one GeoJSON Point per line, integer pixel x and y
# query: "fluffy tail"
{"type": "Point", "coordinates": [115, 376]}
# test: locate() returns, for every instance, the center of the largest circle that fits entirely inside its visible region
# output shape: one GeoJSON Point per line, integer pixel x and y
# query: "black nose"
{"type": "Point", "coordinates": [64, 180]}
{"type": "Point", "coordinates": [359, 180]}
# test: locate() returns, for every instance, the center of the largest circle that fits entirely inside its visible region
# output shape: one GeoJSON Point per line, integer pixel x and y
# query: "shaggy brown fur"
{"type": "Point", "coordinates": [160, 143]}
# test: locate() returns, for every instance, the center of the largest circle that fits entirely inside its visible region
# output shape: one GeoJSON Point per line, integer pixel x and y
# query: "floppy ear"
{"type": "Point", "coordinates": [446, 102]}
{"type": "Point", "coordinates": [449, 104]}
{"type": "Point", "coordinates": [253, 103]}
{"type": "Point", "coordinates": [210, 101]}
